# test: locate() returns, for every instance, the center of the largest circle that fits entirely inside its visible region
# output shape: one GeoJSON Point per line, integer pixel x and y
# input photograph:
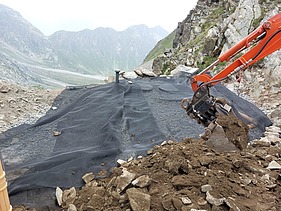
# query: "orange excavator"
{"type": "Point", "coordinates": [205, 108]}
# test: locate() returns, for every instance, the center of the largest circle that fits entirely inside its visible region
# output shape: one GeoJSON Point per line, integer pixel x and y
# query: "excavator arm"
{"type": "Point", "coordinates": [263, 41]}
{"type": "Point", "coordinates": [205, 108]}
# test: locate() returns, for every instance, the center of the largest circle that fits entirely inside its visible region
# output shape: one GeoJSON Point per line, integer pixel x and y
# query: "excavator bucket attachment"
{"type": "Point", "coordinates": [224, 131]}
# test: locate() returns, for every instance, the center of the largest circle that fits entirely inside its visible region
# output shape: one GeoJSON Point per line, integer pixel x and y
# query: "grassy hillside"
{"type": "Point", "coordinates": [160, 47]}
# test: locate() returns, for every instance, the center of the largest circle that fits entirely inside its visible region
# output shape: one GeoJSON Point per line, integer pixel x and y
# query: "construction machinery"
{"type": "Point", "coordinates": [205, 108]}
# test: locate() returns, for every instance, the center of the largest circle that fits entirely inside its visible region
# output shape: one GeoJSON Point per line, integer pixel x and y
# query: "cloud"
{"type": "Point", "coordinates": [52, 15]}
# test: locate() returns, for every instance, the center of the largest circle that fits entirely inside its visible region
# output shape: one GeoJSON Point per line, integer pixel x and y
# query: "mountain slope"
{"type": "Point", "coordinates": [211, 28]}
{"type": "Point", "coordinates": [105, 49]}
{"type": "Point", "coordinates": [27, 56]}
{"type": "Point", "coordinates": [16, 32]}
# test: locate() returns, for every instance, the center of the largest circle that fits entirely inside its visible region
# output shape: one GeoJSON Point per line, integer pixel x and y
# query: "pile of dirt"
{"type": "Point", "coordinates": [186, 175]}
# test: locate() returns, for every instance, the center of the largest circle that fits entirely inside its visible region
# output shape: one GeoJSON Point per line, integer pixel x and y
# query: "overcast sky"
{"type": "Point", "coordinates": [75, 15]}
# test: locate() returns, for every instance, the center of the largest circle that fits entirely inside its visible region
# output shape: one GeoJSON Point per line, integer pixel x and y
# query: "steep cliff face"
{"type": "Point", "coordinates": [211, 28]}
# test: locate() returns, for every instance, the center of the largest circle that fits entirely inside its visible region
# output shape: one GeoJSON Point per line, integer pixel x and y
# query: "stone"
{"type": "Point", "coordinates": [72, 207]}
{"type": "Point", "coordinates": [59, 195]}
{"type": "Point", "coordinates": [56, 133]}
{"type": "Point", "coordinates": [273, 165]}
{"type": "Point", "coordinates": [138, 200]}
{"type": "Point", "coordinates": [201, 202]}
{"type": "Point", "coordinates": [87, 178]}
{"type": "Point", "coordinates": [148, 73]}
{"type": "Point", "coordinates": [121, 162]}
{"type": "Point", "coordinates": [129, 75]}
{"type": "Point", "coordinates": [265, 178]}
{"type": "Point", "coordinates": [142, 181]}
{"type": "Point", "coordinates": [149, 152]}
{"type": "Point", "coordinates": [214, 201]}
{"type": "Point", "coordinates": [183, 69]}
{"type": "Point", "coordinates": [196, 210]}
{"type": "Point", "coordinates": [206, 188]}
{"type": "Point", "coordinates": [177, 203]}
{"type": "Point", "coordinates": [185, 200]}
{"type": "Point", "coordinates": [261, 143]}
{"type": "Point", "coordinates": [168, 204]}
{"type": "Point", "coordinates": [111, 183]}
{"type": "Point", "coordinates": [124, 180]}
{"type": "Point", "coordinates": [138, 72]}
{"type": "Point", "coordinates": [230, 202]}
{"type": "Point", "coordinates": [68, 196]}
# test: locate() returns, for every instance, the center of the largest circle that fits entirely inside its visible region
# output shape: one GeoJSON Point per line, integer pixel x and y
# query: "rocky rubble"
{"type": "Point", "coordinates": [20, 104]}
{"type": "Point", "coordinates": [210, 29]}
{"type": "Point", "coordinates": [188, 176]}
{"type": "Point", "coordinates": [262, 87]}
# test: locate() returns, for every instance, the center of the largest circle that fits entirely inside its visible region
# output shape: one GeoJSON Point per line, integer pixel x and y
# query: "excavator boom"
{"type": "Point", "coordinates": [262, 42]}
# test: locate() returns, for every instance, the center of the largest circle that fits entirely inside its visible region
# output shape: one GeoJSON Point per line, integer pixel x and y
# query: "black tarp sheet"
{"type": "Point", "coordinates": [97, 126]}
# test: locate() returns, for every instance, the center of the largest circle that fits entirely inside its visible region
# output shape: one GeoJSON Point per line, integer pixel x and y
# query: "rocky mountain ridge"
{"type": "Point", "coordinates": [211, 28]}
{"type": "Point", "coordinates": [27, 56]}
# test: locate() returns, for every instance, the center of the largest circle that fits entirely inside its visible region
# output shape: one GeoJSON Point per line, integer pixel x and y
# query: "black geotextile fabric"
{"type": "Point", "coordinates": [97, 126]}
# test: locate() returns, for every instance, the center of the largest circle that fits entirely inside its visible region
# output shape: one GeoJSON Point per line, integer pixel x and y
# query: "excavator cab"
{"type": "Point", "coordinates": [207, 109]}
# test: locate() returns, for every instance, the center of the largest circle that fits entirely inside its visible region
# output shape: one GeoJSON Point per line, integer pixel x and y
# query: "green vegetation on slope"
{"type": "Point", "coordinates": [160, 47]}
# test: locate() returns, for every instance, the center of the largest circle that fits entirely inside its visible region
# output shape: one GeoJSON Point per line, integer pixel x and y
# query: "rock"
{"type": "Point", "coordinates": [88, 177]}
{"type": "Point", "coordinates": [185, 200]}
{"type": "Point", "coordinates": [261, 143]}
{"type": "Point", "coordinates": [185, 181]}
{"type": "Point", "coordinates": [183, 69]}
{"type": "Point", "coordinates": [121, 162]}
{"type": "Point", "coordinates": [214, 201]}
{"type": "Point", "coordinates": [144, 72]}
{"type": "Point", "coordinates": [273, 165]}
{"type": "Point", "coordinates": [201, 202]}
{"type": "Point", "coordinates": [265, 178]}
{"type": "Point", "coordinates": [59, 195]}
{"type": "Point", "coordinates": [54, 108]}
{"type": "Point", "coordinates": [138, 72]}
{"type": "Point", "coordinates": [205, 160]}
{"type": "Point", "coordinates": [177, 203]}
{"type": "Point", "coordinates": [138, 200]}
{"type": "Point", "coordinates": [196, 210]}
{"type": "Point", "coordinates": [230, 203]}
{"type": "Point", "coordinates": [4, 89]}
{"type": "Point", "coordinates": [130, 159]}
{"type": "Point", "coordinates": [273, 129]}
{"type": "Point", "coordinates": [56, 133]}
{"type": "Point", "coordinates": [142, 181]}
{"type": "Point", "coordinates": [206, 188]}
{"type": "Point", "coordinates": [148, 73]}
{"type": "Point", "coordinates": [149, 152]}
{"type": "Point", "coordinates": [271, 186]}
{"type": "Point", "coordinates": [110, 79]}
{"type": "Point", "coordinates": [168, 204]}
{"type": "Point", "coordinates": [124, 180]}
{"type": "Point", "coordinates": [241, 22]}
{"type": "Point", "coordinates": [68, 196]}
{"type": "Point", "coordinates": [129, 75]}
{"type": "Point", "coordinates": [237, 163]}
{"type": "Point", "coordinates": [210, 41]}
{"type": "Point", "coordinates": [72, 207]}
